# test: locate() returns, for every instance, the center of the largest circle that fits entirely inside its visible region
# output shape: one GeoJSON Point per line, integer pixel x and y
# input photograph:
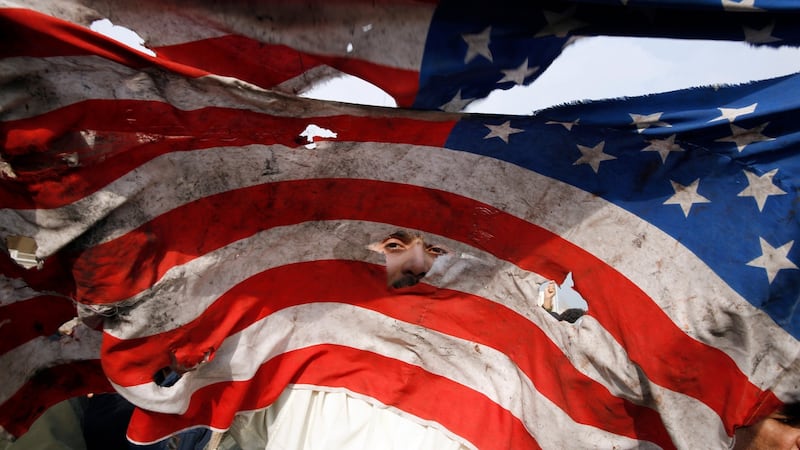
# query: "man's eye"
{"type": "Point", "coordinates": [787, 420]}
{"type": "Point", "coordinates": [393, 246]}
{"type": "Point", "coordinates": [437, 251]}
{"type": "Point", "coordinates": [791, 421]}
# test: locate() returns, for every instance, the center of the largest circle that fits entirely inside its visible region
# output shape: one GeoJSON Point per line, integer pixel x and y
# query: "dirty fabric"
{"type": "Point", "coordinates": [217, 258]}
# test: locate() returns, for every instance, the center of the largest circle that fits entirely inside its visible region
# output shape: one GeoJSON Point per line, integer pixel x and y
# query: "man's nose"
{"type": "Point", "coordinates": [417, 262]}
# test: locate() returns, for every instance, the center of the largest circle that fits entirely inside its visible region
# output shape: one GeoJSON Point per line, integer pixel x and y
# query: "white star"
{"type": "Point", "coordinates": [519, 74]}
{"type": "Point", "coordinates": [456, 103]}
{"type": "Point", "coordinates": [731, 114]}
{"type": "Point", "coordinates": [644, 121]}
{"type": "Point", "coordinates": [477, 44]}
{"type": "Point", "coordinates": [567, 125]}
{"type": "Point", "coordinates": [593, 156]}
{"type": "Point", "coordinates": [663, 146]}
{"type": "Point", "coordinates": [744, 137]}
{"type": "Point", "coordinates": [559, 24]}
{"type": "Point", "coordinates": [740, 5]}
{"type": "Point", "coordinates": [502, 131]}
{"type": "Point", "coordinates": [773, 259]}
{"type": "Point", "coordinates": [686, 196]}
{"type": "Point", "coordinates": [761, 187]}
{"type": "Point", "coordinates": [762, 36]}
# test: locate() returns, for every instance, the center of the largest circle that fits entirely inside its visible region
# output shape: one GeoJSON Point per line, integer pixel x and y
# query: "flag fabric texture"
{"type": "Point", "coordinates": [181, 210]}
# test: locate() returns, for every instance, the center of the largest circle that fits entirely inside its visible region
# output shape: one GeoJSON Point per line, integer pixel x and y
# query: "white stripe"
{"type": "Point", "coordinates": [69, 10]}
{"type": "Point", "coordinates": [486, 370]}
{"type": "Point", "coordinates": [24, 361]}
{"type": "Point", "coordinates": [387, 33]}
{"type": "Point", "coordinates": [692, 304]}
{"type": "Point", "coordinates": [55, 82]}
{"type": "Point", "coordinates": [373, 29]}
{"type": "Point", "coordinates": [52, 229]}
{"type": "Point", "coordinates": [169, 26]}
{"type": "Point", "coordinates": [13, 290]}
{"type": "Point", "coordinates": [308, 79]}
{"type": "Point", "coordinates": [596, 354]}
{"type": "Point", "coordinates": [208, 277]}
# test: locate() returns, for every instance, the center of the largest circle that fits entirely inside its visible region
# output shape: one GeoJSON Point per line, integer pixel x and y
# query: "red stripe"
{"type": "Point", "coordinates": [401, 84]}
{"type": "Point", "coordinates": [108, 273]}
{"type": "Point", "coordinates": [129, 362]}
{"type": "Point", "coordinates": [28, 319]}
{"type": "Point", "coordinates": [35, 146]}
{"type": "Point", "coordinates": [263, 64]}
{"type": "Point", "coordinates": [38, 35]}
{"type": "Point", "coordinates": [48, 387]}
{"type": "Point", "coordinates": [269, 65]}
{"type": "Point", "coordinates": [387, 380]}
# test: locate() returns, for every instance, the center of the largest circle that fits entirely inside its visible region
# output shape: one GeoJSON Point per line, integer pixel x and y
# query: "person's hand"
{"type": "Point", "coordinates": [549, 294]}
{"type": "Point", "coordinates": [550, 289]}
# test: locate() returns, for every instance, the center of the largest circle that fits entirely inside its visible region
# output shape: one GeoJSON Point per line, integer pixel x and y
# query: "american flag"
{"type": "Point", "coordinates": [174, 200]}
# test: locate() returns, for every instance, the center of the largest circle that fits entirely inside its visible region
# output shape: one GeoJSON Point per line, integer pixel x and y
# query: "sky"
{"type": "Point", "coordinates": [609, 67]}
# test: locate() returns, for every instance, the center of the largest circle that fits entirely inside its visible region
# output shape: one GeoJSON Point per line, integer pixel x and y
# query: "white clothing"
{"type": "Point", "coordinates": [320, 420]}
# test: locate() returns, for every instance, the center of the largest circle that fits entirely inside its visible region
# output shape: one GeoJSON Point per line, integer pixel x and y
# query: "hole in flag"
{"type": "Point", "coordinates": [312, 132]}
{"type": "Point", "coordinates": [68, 328]}
{"type": "Point", "coordinates": [72, 159]}
{"type": "Point", "coordinates": [409, 257]}
{"type": "Point", "coordinates": [22, 250]}
{"type": "Point", "coordinates": [166, 377]}
{"type": "Point", "coordinates": [6, 171]}
{"type": "Point", "coordinates": [350, 89]}
{"type": "Point", "coordinates": [562, 301]}
{"type": "Point", "coordinates": [121, 34]}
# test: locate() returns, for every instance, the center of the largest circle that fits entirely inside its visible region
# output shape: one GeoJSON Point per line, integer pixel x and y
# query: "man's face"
{"type": "Point", "coordinates": [408, 258]}
{"type": "Point", "coordinates": [776, 432]}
